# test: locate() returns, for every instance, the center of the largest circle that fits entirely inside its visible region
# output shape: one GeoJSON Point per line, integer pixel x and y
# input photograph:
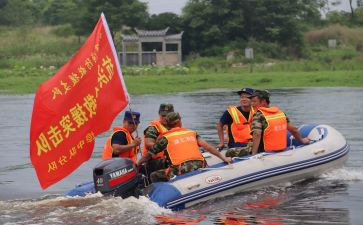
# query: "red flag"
{"type": "Point", "coordinates": [79, 102]}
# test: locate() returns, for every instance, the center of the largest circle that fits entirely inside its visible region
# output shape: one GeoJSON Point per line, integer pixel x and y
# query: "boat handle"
{"type": "Point", "coordinates": [193, 186]}
{"type": "Point", "coordinates": [259, 156]}
{"type": "Point", "coordinates": [229, 166]}
{"type": "Point", "coordinates": [319, 151]}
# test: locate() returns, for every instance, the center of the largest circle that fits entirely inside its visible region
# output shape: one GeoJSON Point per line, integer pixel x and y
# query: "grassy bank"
{"type": "Point", "coordinates": [30, 56]}
{"type": "Point", "coordinates": [158, 84]}
{"type": "Point", "coordinates": [192, 82]}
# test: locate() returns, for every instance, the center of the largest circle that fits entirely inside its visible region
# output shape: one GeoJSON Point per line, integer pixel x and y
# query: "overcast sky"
{"type": "Point", "coordinates": [175, 6]}
{"type": "Point", "coordinates": [160, 6]}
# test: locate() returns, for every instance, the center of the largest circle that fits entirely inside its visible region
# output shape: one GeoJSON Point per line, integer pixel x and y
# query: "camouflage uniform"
{"type": "Point", "coordinates": [258, 122]}
{"type": "Point", "coordinates": [172, 171]}
{"type": "Point", "coordinates": [151, 132]}
{"type": "Point", "coordinates": [239, 151]}
{"type": "Point", "coordinates": [158, 163]}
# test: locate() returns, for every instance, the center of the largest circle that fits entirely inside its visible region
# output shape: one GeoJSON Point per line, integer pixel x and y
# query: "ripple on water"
{"type": "Point", "coordinates": [334, 198]}
{"type": "Point", "coordinates": [95, 209]}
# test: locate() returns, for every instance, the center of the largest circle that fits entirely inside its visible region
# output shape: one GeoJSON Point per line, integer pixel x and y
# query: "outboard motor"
{"type": "Point", "coordinates": [116, 176]}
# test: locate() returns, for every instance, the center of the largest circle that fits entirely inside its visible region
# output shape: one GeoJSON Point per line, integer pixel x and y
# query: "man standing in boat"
{"type": "Point", "coordinates": [238, 121]}
{"type": "Point", "coordinates": [270, 125]}
{"type": "Point", "coordinates": [121, 142]}
{"type": "Point", "coordinates": [155, 129]}
{"type": "Point", "coordinates": [181, 150]}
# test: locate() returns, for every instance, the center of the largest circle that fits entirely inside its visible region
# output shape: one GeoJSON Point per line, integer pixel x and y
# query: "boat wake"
{"type": "Point", "coordinates": [94, 208]}
{"type": "Point", "coordinates": [346, 174]}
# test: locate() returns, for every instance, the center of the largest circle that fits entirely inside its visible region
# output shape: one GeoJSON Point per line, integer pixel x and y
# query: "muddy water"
{"type": "Point", "coordinates": [334, 198]}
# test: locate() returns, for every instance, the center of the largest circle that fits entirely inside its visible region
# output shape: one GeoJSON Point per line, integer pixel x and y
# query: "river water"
{"type": "Point", "coordinates": [334, 198]}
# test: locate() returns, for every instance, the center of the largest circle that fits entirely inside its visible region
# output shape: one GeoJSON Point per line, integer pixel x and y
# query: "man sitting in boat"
{"type": "Point", "coordinates": [155, 129]}
{"type": "Point", "coordinates": [238, 121]}
{"type": "Point", "coordinates": [181, 150]}
{"type": "Point", "coordinates": [270, 125]}
{"type": "Point", "coordinates": [121, 142]}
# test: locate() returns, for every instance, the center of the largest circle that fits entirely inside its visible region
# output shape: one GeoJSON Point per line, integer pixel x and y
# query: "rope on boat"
{"type": "Point", "coordinates": [229, 167]}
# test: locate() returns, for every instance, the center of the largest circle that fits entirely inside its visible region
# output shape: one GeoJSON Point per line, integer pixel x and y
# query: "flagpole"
{"type": "Point", "coordinates": [133, 120]}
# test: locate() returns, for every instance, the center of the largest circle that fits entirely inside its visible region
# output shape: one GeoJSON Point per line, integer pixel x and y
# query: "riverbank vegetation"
{"type": "Point", "coordinates": [290, 48]}
{"type": "Point", "coordinates": [159, 84]}
{"type": "Point", "coordinates": [33, 57]}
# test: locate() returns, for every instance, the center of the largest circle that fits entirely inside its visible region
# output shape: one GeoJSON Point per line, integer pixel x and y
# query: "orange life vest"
{"type": "Point", "coordinates": [161, 129]}
{"type": "Point", "coordinates": [182, 146]}
{"type": "Point", "coordinates": [240, 127]}
{"type": "Point", "coordinates": [274, 136]}
{"type": "Point", "coordinates": [107, 149]}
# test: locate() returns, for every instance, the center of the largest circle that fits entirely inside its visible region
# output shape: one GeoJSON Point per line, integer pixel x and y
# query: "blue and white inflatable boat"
{"type": "Point", "coordinates": [328, 150]}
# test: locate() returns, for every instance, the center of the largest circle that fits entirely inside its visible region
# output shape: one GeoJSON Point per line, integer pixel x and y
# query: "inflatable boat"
{"type": "Point", "coordinates": [328, 150]}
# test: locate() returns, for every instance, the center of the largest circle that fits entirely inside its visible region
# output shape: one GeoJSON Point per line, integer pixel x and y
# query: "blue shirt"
{"type": "Point", "coordinates": [119, 137]}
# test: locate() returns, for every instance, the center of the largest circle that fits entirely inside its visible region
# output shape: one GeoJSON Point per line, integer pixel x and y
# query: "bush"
{"type": "Point", "coordinates": [63, 30]}
{"type": "Point", "coordinates": [344, 35]}
{"type": "Point", "coordinates": [359, 47]}
{"type": "Point", "coordinates": [35, 47]}
{"type": "Point", "coordinates": [154, 70]}
{"type": "Point", "coordinates": [209, 64]}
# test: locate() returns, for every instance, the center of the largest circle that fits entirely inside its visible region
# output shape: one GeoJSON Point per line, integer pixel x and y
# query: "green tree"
{"type": "Point", "coordinates": [209, 23]}
{"type": "Point", "coordinates": [359, 16]}
{"type": "Point", "coordinates": [39, 8]}
{"type": "Point", "coordinates": [16, 12]}
{"type": "Point", "coordinates": [282, 22]}
{"type": "Point", "coordinates": [60, 12]}
{"type": "Point", "coordinates": [132, 13]}
{"type": "Point", "coordinates": [163, 20]}
{"type": "Point", "coordinates": [343, 17]}
{"type": "Point", "coordinates": [335, 17]}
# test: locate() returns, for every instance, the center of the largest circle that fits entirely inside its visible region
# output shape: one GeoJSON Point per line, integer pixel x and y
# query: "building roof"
{"type": "Point", "coordinates": [174, 36]}
{"type": "Point", "coordinates": [151, 33]}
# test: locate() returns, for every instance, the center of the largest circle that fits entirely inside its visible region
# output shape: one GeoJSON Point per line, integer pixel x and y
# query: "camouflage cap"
{"type": "Point", "coordinates": [262, 94]}
{"type": "Point", "coordinates": [165, 109]}
{"type": "Point", "coordinates": [172, 118]}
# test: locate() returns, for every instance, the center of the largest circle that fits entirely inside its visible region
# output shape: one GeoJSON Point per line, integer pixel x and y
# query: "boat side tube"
{"type": "Point", "coordinates": [304, 131]}
{"type": "Point", "coordinates": [163, 192]}
{"type": "Point", "coordinates": [82, 189]}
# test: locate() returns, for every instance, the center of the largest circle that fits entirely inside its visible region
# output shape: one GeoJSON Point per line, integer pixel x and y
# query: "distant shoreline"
{"type": "Point", "coordinates": [162, 84]}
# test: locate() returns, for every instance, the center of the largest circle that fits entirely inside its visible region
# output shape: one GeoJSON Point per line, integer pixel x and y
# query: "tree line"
{"type": "Point", "coordinates": [210, 26]}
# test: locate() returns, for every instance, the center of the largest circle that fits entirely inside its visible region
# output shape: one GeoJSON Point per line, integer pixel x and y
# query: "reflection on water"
{"type": "Point", "coordinates": [177, 219]}
{"type": "Point", "coordinates": [335, 198]}
{"type": "Point", "coordinates": [290, 204]}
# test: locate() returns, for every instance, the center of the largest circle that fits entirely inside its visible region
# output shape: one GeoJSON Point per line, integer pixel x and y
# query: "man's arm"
{"type": "Point", "coordinates": [295, 132]}
{"type": "Point", "coordinates": [159, 146]}
{"type": "Point", "coordinates": [213, 150]}
{"type": "Point", "coordinates": [119, 149]}
{"type": "Point", "coordinates": [220, 134]}
{"type": "Point", "coordinates": [256, 131]}
{"type": "Point", "coordinates": [151, 134]}
{"type": "Point", "coordinates": [256, 139]}
{"type": "Point", "coordinates": [149, 142]}
{"type": "Point", "coordinates": [224, 120]}
{"type": "Point", "coordinates": [120, 144]}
